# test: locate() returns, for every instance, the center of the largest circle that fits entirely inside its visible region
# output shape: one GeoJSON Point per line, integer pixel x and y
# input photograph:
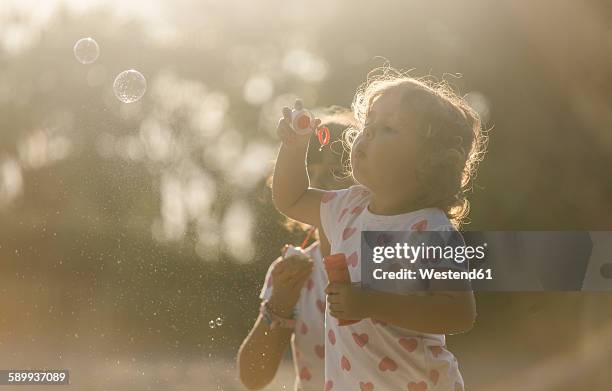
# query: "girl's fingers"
{"type": "Point", "coordinates": [300, 276]}
{"type": "Point", "coordinates": [298, 104]}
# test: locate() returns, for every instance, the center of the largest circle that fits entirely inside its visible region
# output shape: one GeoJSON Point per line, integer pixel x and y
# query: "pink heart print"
{"type": "Point", "coordinates": [332, 337]}
{"type": "Point", "coordinates": [345, 364]}
{"type": "Point", "coordinates": [356, 210]}
{"type": "Point", "coordinates": [387, 364]}
{"type": "Point", "coordinates": [410, 344]}
{"type": "Point", "coordinates": [329, 385]}
{"type": "Point", "coordinates": [366, 386]}
{"type": "Point", "coordinates": [436, 350]}
{"type": "Point", "coordinates": [305, 374]}
{"type": "Point", "coordinates": [320, 351]}
{"type": "Point", "coordinates": [420, 386]}
{"type": "Point", "coordinates": [309, 284]}
{"type": "Point", "coordinates": [434, 376]}
{"type": "Point", "coordinates": [328, 196]}
{"type": "Point", "coordinates": [383, 239]}
{"type": "Point", "coordinates": [419, 226]}
{"type": "Point", "coordinates": [348, 232]}
{"type": "Point", "coordinates": [304, 328]}
{"type": "Point", "coordinates": [360, 339]}
{"type": "Point", "coordinates": [353, 259]}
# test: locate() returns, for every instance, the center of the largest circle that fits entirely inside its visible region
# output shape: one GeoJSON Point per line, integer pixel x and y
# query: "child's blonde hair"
{"type": "Point", "coordinates": [453, 139]}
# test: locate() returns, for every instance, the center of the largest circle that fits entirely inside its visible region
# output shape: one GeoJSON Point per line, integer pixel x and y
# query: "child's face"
{"type": "Point", "coordinates": [384, 155]}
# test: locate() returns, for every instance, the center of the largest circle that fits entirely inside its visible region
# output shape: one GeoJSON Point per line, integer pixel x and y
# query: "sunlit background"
{"type": "Point", "coordinates": [128, 228]}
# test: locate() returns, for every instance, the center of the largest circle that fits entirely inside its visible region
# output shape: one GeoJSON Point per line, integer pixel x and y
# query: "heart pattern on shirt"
{"type": "Point", "coordinates": [360, 339]}
{"type": "Point", "coordinates": [332, 337]}
{"type": "Point", "coordinates": [309, 284]}
{"type": "Point", "coordinates": [348, 232]}
{"type": "Point", "coordinates": [304, 328]}
{"type": "Point", "coordinates": [436, 350]}
{"type": "Point", "coordinates": [434, 376]}
{"type": "Point", "coordinates": [387, 364]}
{"type": "Point", "coordinates": [329, 385]}
{"type": "Point", "coordinates": [358, 209]}
{"type": "Point", "coordinates": [320, 351]}
{"type": "Point", "coordinates": [305, 374]}
{"type": "Point", "coordinates": [420, 386]}
{"type": "Point", "coordinates": [383, 239]}
{"type": "Point", "coordinates": [353, 259]}
{"type": "Point", "coordinates": [328, 196]}
{"type": "Point", "coordinates": [366, 386]}
{"type": "Point", "coordinates": [410, 344]}
{"type": "Point", "coordinates": [345, 364]}
{"type": "Point", "coordinates": [419, 226]}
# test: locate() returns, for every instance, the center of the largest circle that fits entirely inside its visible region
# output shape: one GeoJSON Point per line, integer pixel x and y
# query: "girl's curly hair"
{"type": "Point", "coordinates": [453, 141]}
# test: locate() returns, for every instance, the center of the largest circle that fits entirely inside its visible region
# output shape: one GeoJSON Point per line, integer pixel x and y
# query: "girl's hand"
{"type": "Point", "coordinates": [285, 131]}
{"type": "Point", "coordinates": [347, 301]}
{"type": "Point", "coordinates": [288, 278]}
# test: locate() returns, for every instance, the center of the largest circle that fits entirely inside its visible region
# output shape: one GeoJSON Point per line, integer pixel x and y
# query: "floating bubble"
{"type": "Point", "coordinates": [130, 86]}
{"type": "Point", "coordinates": [211, 324]}
{"type": "Point", "coordinates": [86, 50]}
{"type": "Point", "coordinates": [219, 322]}
{"type": "Point", "coordinates": [606, 270]}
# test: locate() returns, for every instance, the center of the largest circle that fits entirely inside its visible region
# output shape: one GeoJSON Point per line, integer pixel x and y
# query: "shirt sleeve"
{"type": "Point", "coordinates": [266, 290]}
{"type": "Point", "coordinates": [449, 238]}
{"type": "Point", "coordinates": [332, 204]}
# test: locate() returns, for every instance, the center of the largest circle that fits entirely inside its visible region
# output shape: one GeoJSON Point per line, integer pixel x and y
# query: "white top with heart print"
{"type": "Point", "coordinates": [307, 343]}
{"type": "Point", "coordinates": [372, 355]}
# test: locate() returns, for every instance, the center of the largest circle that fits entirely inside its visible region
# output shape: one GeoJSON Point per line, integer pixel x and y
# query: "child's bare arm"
{"type": "Point", "coordinates": [437, 312]}
{"type": "Point", "coordinates": [291, 191]}
{"type": "Point", "coordinates": [262, 350]}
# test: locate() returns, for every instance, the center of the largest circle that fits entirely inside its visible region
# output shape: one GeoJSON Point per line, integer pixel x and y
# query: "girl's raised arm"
{"type": "Point", "coordinates": [291, 191]}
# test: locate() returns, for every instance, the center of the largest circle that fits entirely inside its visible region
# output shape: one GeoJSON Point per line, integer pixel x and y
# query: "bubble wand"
{"type": "Point", "coordinates": [301, 122]}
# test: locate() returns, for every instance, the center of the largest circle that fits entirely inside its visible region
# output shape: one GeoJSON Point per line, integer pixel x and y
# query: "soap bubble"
{"type": "Point", "coordinates": [219, 322]}
{"type": "Point", "coordinates": [211, 324]}
{"type": "Point", "coordinates": [129, 86]}
{"type": "Point", "coordinates": [86, 50]}
{"type": "Point", "coordinates": [606, 270]}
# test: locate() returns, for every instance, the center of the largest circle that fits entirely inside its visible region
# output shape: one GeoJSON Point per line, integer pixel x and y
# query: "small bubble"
{"type": "Point", "coordinates": [211, 324]}
{"type": "Point", "coordinates": [86, 50]}
{"type": "Point", "coordinates": [130, 86]}
{"type": "Point", "coordinates": [219, 322]}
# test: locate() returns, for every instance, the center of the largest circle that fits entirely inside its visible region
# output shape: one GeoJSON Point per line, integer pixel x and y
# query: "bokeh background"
{"type": "Point", "coordinates": [127, 228]}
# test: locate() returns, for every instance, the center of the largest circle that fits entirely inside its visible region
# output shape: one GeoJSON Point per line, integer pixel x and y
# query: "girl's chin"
{"type": "Point", "coordinates": [358, 175]}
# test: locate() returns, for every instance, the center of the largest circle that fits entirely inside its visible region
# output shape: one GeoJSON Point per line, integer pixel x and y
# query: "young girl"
{"type": "Point", "coordinates": [412, 156]}
{"type": "Point", "coordinates": [297, 284]}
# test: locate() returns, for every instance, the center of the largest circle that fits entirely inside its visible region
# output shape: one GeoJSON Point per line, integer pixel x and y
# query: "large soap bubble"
{"type": "Point", "coordinates": [86, 50]}
{"type": "Point", "coordinates": [129, 86]}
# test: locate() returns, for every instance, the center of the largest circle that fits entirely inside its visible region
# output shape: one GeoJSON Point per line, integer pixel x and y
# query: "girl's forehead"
{"type": "Point", "coordinates": [386, 105]}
